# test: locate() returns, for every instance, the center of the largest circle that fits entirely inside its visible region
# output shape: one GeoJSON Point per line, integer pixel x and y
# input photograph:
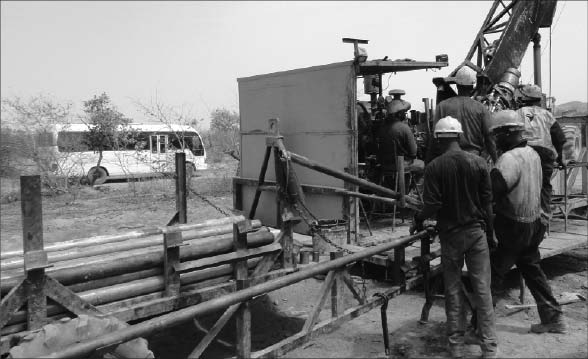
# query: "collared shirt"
{"type": "Point", "coordinates": [457, 185]}
{"type": "Point", "coordinates": [538, 122]}
{"type": "Point", "coordinates": [475, 120]}
{"type": "Point", "coordinates": [521, 170]}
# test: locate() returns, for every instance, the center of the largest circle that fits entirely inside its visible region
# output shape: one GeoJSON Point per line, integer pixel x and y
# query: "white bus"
{"type": "Point", "coordinates": [150, 153]}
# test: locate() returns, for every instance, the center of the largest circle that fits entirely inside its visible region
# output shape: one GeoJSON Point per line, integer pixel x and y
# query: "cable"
{"type": "Point", "coordinates": [551, 30]}
{"type": "Point", "coordinates": [388, 82]}
{"type": "Point", "coordinates": [550, 101]}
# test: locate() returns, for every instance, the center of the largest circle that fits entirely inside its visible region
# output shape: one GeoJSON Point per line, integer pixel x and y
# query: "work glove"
{"type": "Point", "coordinates": [417, 225]}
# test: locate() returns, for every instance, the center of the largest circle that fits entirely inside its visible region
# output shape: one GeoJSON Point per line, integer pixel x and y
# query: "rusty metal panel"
{"type": "Point", "coordinates": [315, 107]}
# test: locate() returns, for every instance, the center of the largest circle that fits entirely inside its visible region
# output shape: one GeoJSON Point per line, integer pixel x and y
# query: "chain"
{"type": "Point", "coordinates": [207, 201]}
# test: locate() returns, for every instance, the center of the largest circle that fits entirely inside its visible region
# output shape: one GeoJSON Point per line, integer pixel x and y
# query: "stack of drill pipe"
{"type": "Point", "coordinates": [86, 269]}
{"type": "Point", "coordinates": [206, 227]}
{"type": "Point", "coordinates": [56, 254]}
{"type": "Point", "coordinates": [126, 291]}
{"type": "Point", "coordinates": [129, 265]}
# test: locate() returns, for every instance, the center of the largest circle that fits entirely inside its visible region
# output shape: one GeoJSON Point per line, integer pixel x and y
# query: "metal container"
{"type": "Point", "coordinates": [333, 230]}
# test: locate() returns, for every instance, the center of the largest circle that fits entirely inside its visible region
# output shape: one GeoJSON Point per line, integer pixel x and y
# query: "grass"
{"type": "Point", "coordinates": [216, 181]}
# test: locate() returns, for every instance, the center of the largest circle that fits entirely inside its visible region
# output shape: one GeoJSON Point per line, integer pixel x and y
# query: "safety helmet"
{"type": "Point", "coordinates": [395, 105]}
{"type": "Point", "coordinates": [447, 127]}
{"type": "Point", "coordinates": [396, 93]}
{"type": "Point", "coordinates": [506, 121]}
{"type": "Point", "coordinates": [530, 92]}
{"type": "Point", "coordinates": [465, 76]}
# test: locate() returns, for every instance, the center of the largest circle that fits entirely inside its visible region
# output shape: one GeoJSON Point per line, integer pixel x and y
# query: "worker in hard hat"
{"type": "Point", "coordinates": [396, 138]}
{"type": "Point", "coordinates": [473, 116]}
{"type": "Point", "coordinates": [458, 192]}
{"type": "Point", "coordinates": [544, 134]}
{"type": "Point", "coordinates": [516, 186]}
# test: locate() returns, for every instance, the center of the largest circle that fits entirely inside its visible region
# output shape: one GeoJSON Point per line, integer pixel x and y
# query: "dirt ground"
{"type": "Point", "coordinates": [118, 208]}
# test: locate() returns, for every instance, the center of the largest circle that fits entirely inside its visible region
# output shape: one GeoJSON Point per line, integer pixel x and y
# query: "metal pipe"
{"type": "Point", "coordinates": [86, 242]}
{"type": "Point", "coordinates": [118, 247]}
{"type": "Point", "coordinates": [82, 270]}
{"type": "Point", "coordinates": [341, 191]}
{"type": "Point", "coordinates": [156, 324]}
{"type": "Point", "coordinates": [303, 161]}
{"type": "Point", "coordinates": [136, 288]}
{"type": "Point", "coordinates": [537, 59]}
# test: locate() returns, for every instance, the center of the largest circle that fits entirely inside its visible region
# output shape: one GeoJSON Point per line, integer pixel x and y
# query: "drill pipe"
{"type": "Point", "coordinates": [135, 288]}
{"type": "Point", "coordinates": [186, 314]}
{"type": "Point", "coordinates": [207, 244]}
{"type": "Point", "coordinates": [19, 330]}
{"type": "Point", "coordinates": [95, 250]}
{"type": "Point", "coordinates": [92, 241]}
{"type": "Point", "coordinates": [303, 161]}
{"type": "Point", "coordinates": [132, 261]}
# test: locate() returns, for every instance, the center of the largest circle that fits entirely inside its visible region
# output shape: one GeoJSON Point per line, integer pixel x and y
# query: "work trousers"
{"type": "Point", "coordinates": [547, 166]}
{"type": "Point", "coordinates": [469, 244]}
{"type": "Point", "coordinates": [518, 243]}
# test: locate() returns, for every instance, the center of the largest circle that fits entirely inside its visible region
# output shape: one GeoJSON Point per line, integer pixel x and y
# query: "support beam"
{"type": "Point", "coordinates": [32, 226]}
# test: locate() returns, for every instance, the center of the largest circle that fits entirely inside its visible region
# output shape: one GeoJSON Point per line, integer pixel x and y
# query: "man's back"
{"type": "Point", "coordinates": [458, 183]}
{"type": "Point", "coordinates": [475, 121]}
{"type": "Point", "coordinates": [521, 170]}
{"type": "Point", "coordinates": [396, 134]}
{"type": "Point", "coordinates": [538, 123]}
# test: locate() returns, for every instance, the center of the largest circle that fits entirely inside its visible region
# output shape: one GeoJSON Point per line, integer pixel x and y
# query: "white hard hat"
{"type": "Point", "coordinates": [507, 120]}
{"type": "Point", "coordinates": [464, 76]}
{"type": "Point", "coordinates": [447, 127]}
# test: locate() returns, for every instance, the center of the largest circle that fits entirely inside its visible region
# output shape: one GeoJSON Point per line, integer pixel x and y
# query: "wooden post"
{"type": "Point", "coordinates": [171, 259]}
{"type": "Point", "coordinates": [237, 194]}
{"type": "Point", "coordinates": [35, 258]}
{"type": "Point", "coordinates": [398, 274]}
{"type": "Point", "coordinates": [181, 206]}
{"type": "Point", "coordinates": [243, 314]}
{"type": "Point", "coordinates": [336, 288]}
{"type": "Point", "coordinates": [173, 241]}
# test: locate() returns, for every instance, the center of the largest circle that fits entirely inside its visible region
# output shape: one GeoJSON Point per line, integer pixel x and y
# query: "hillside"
{"type": "Point", "coordinates": [573, 108]}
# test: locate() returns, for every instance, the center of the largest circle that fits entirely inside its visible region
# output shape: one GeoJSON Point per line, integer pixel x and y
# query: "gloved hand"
{"type": "Point", "coordinates": [416, 225]}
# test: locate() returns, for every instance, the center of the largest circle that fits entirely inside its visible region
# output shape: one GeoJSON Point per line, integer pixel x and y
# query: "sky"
{"type": "Point", "coordinates": [188, 55]}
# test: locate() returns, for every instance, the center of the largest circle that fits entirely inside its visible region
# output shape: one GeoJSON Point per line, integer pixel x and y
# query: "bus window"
{"type": "Point", "coordinates": [162, 140]}
{"type": "Point", "coordinates": [71, 142]}
{"type": "Point", "coordinates": [195, 145]}
{"type": "Point", "coordinates": [175, 142]}
{"type": "Point", "coordinates": [154, 144]}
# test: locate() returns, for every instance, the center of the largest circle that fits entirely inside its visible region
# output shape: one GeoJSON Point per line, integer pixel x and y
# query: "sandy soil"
{"type": "Point", "coordinates": [116, 208]}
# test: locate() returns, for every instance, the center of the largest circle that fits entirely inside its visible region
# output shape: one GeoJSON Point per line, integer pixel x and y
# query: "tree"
{"type": "Point", "coordinates": [224, 131]}
{"type": "Point", "coordinates": [107, 129]}
{"type": "Point", "coordinates": [25, 124]}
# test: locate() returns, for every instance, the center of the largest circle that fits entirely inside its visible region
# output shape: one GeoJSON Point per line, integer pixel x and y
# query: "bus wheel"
{"type": "Point", "coordinates": [97, 175]}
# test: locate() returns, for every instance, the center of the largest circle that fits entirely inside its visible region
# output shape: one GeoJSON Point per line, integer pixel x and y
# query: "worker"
{"type": "Point", "coordinates": [457, 191]}
{"type": "Point", "coordinates": [473, 116]}
{"type": "Point", "coordinates": [544, 134]}
{"type": "Point", "coordinates": [516, 186]}
{"type": "Point", "coordinates": [396, 137]}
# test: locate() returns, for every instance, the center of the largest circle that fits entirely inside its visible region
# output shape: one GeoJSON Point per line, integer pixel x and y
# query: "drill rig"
{"type": "Point", "coordinates": [499, 48]}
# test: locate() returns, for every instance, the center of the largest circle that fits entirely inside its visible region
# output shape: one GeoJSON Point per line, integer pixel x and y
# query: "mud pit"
{"type": "Point", "coordinates": [116, 208]}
